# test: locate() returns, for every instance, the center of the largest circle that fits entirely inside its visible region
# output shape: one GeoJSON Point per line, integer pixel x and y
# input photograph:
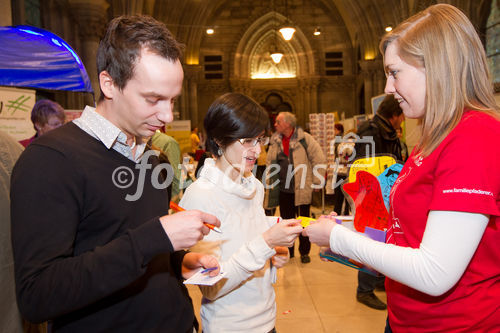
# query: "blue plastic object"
{"type": "Point", "coordinates": [387, 180]}
{"type": "Point", "coordinates": [37, 58]}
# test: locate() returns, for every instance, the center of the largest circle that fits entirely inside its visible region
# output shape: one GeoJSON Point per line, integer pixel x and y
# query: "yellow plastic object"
{"type": "Point", "coordinates": [305, 221]}
{"type": "Point", "coordinates": [374, 165]}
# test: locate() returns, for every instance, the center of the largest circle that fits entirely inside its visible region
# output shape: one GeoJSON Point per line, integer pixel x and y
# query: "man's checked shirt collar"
{"type": "Point", "coordinates": [111, 136]}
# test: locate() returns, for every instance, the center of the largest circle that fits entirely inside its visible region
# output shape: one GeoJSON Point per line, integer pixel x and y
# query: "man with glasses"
{"type": "Point", "coordinates": [46, 115]}
{"type": "Point", "coordinates": [296, 154]}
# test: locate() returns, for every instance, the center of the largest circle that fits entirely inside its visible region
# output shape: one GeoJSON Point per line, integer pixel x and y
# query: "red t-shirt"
{"type": "Point", "coordinates": [461, 174]}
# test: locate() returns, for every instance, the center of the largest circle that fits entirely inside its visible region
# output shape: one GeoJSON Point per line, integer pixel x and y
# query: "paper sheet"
{"type": "Point", "coordinates": [204, 279]}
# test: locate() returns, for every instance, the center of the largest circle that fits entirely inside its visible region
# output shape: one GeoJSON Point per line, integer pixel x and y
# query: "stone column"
{"type": "Point", "coordinates": [372, 72]}
{"type": "Point", "coordinates": [309, 95]}
{"type": "Point", "coordinates": [381, 79]}
{"type": "Point", "coordinates": [313, 91]}
{"type": "Point", "coordinates": [189, 109]}
{"type": "Point", "coordinates": [91, 18]}
{"type": "Point", "coordinates": [304, 105]}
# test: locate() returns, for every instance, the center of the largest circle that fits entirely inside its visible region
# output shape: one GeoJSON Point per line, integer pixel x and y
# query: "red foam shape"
{"type": "Point", "coordinates": [368, 203]}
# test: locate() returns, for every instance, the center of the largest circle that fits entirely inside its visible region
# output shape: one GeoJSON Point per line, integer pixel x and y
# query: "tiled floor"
{"type": "Point", "coordinates": [319, 297]}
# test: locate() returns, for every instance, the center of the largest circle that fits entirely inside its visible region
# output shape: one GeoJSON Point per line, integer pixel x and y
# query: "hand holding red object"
{"type": "Point", "coordinates": [369, 205]}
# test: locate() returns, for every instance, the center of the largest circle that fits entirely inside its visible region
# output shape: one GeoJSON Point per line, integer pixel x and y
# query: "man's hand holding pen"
{"type": "Point", "coordinates": [185, 229]}
{"type": "Point", "coordinates": [176, 208]}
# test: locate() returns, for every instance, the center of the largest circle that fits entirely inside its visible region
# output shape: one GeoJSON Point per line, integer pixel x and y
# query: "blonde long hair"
{"type": "Point", "coordinates": [443, 41]}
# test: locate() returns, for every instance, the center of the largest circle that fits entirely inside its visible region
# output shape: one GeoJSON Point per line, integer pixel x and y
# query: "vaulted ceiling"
{"type": "Point", "coordinates": [362, 20]}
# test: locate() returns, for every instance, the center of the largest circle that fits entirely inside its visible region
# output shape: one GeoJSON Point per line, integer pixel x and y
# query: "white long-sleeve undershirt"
{"type": "Point", "coordinates": [448, 244]}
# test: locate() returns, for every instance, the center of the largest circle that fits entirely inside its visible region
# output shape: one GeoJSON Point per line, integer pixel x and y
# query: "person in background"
{"type": "Point", "coordinates": [382, 129]}
{"type": "Point", "coordinates": [261, 163]}
{"type": "Point", "coordinates": [251, 244]}
{"type": "Point", "coordinates": [195, 140]}
{"type": "Point", "coordinates": [94, 251]}
{"type": "Point", "coordinates": [202, 137]}
{"type": "Point", "coordinates": [442, 257]}
{"type": "Point", "coordinates": [170, 152]}
{"type": "Point", "coordinates": [10, 321]}
{"type": "Point", "coordinates": [46, 115]}
{"type": "Point", "coordinates": [296, 153]}
{"type": "Point", "coordinates": [201, 163]}
{"type": "Point", "coordinates": [343, 151]}
{"type": "Point", "coordinates": [404, 147]}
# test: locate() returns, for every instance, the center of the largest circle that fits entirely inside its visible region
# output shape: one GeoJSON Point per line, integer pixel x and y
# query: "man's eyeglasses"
{"type": "Point", "coordinates": [263, 140]}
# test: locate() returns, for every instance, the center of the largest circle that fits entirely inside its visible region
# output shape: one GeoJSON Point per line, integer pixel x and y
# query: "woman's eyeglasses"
{"type": "Point", "coordinates": [263, 140]}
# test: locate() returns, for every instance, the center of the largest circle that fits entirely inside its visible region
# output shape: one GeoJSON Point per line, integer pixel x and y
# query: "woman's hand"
{"type": "Point", "coordinates": [282, 256]}
{"type": "Point", "coordinates": [320, 230]}
{"type": "Point", "coordinates": [283, 233]}
{"type": "Point", "coordinates": [322, 250]}
{"type": "Point", "coordinates": [193, 261]}
{"type": "Point", "coordinates": [331, 215]}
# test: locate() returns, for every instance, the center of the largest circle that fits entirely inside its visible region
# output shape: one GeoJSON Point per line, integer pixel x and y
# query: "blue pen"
{"type": "Point", "coordinates": [206, 270]}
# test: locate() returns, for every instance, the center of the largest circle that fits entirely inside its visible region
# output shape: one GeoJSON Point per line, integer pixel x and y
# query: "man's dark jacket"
{"type": "Point", "coordinates": [384, 135]}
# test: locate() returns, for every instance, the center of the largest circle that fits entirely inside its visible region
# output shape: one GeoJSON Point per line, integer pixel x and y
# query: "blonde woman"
{"type": "Point", "coordinates": [442, 257]}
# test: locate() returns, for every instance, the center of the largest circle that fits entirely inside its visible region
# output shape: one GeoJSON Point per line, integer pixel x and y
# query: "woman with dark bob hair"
{"type": "Point", "coordinates": [251, 244]}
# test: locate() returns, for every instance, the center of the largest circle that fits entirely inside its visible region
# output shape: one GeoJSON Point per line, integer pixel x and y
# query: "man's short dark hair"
{"type": "Point", "coordinates": [124, 39]}
{"type": "Point", "coordinates": [339, 127]}
{"type": "Point", "coordinates": [389, 108]}
{"type": "Point", "coordinates": [233, 116]}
